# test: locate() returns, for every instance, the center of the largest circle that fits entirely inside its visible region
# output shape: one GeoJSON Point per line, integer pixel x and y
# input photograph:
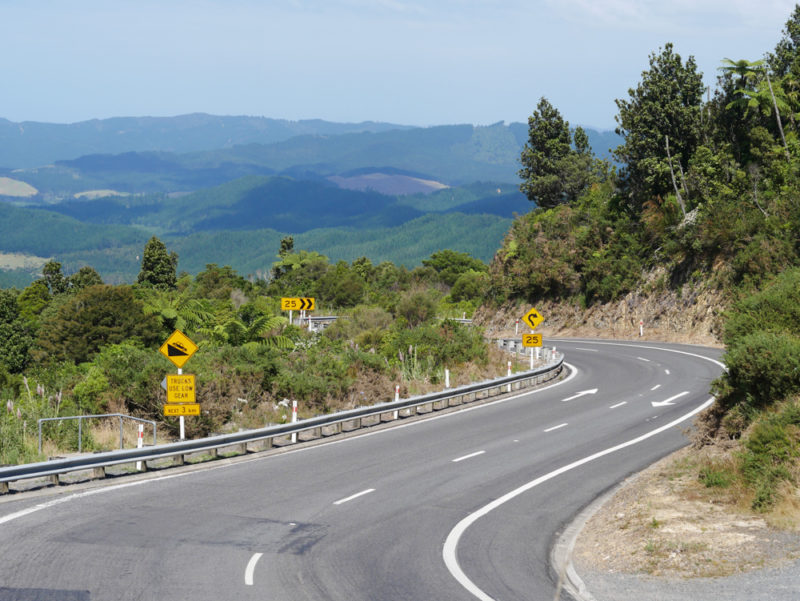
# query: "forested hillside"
{"type": "Point", "coordinates": [72, 345]}
{"type": "Point", "coordinates": [705, 200]}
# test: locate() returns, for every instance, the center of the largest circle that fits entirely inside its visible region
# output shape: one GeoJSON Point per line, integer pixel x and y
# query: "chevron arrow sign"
{"type": "Point", "coordinates": [297, 304]}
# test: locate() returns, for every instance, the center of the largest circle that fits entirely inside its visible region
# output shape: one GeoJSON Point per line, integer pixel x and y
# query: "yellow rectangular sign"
{"type": "Point", "coordinates": [531, 340]}
{"type": "Point", "coordinates": [297, 304]}
{"type": "Point", "coordinates": [180, 389]}
{"type": "Point", "coordinates": [175, 410]}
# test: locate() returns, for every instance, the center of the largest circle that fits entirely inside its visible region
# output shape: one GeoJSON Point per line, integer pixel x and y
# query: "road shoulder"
{"type": "Point", "coordinates": [657, 536]}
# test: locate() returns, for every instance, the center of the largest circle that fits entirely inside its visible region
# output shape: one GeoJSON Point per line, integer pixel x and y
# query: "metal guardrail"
{"type": "Point", "coordinates": [80, 419]}
{"type": "Point", "coordinates": [334, 423]}
{"type": "Point", "coordinates": [514, 345]}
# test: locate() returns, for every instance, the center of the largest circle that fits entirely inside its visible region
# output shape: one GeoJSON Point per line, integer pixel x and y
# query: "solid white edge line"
{"type": "Point", "coordinates": [114, 487]}
{"type": "Point", "coordinates": [451, 543]}
{"type": "Point", "coordinates": [618, 405]}
{"type": "Point", "coordinates": [251, 566]}
{"type": "Point", "coordinates": [449, 551]}
{"type": "Point", "coordinates": [355, 496]}
{"type": "Point", "coordinates": [456, 460]}
{"type": "Point", "coordinates": [555, 427]}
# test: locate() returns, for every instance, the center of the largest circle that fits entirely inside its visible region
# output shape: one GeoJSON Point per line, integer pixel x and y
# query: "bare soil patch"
{"type": "Point", "coordinates": [665, 522]}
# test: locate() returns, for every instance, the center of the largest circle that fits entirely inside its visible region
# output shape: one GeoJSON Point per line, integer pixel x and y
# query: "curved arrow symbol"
{"type": "Point", "coordinates": [580, 394]}
{"type": "Point", "coordinates": [669, 400]}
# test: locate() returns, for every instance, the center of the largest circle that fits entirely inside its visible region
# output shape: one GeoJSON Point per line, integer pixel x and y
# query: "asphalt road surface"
{"type": "Point", "coordinates": [459, 506]}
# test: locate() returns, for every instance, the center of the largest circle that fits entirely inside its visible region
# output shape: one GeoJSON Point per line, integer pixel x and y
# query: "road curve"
{"type": "Point", "coordinates": [458, 506]}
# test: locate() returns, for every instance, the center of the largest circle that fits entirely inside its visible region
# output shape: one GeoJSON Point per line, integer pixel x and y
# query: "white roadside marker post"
{"type": "Point", "coordinates": [294, 419]}
{"type": "Point", "coordinates": [641, 328]}
{"type": "Point", "coordinates": [509, 375]}
{"type": "Point", "coordinates": [447, 378]}
{"type": "Point", "coordinates": [396, 397]}
{"type": "Point", "coordinates": [139, 444]}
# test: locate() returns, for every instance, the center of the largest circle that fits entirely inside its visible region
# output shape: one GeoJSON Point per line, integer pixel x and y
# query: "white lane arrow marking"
{"type": "Point", "coordinates": [669, 400]}
{"type": "Point", "coordinates": [580, 394]}
{"type": "Point", "coordinates": [251, 566]}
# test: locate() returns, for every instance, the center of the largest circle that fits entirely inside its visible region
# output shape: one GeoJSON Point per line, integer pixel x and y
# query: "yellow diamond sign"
{"type": "Point", "coordinates": [178, 348]}
{"type": "Point", "coordinates": [533, 318]}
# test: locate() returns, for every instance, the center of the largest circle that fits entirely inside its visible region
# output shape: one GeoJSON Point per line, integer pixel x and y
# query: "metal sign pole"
{"type": "Point", "coordinates": [183, 431]}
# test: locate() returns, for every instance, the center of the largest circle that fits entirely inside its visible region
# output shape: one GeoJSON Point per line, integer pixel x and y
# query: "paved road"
{"type": "Point", "coordinates": [390, 515]}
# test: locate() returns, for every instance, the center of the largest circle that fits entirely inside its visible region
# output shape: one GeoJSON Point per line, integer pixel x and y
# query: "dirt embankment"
{"type": "Point", "coordinates": [693, 315]}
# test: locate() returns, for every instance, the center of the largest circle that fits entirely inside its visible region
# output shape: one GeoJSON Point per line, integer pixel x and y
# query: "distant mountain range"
{"type": "Point", "coordinates": [93, 192]}
{"type": "Point", "coordinates": [33, 144]}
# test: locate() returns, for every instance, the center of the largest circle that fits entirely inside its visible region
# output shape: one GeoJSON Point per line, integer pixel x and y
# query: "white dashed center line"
{"type": "Point", "coordinates": [355, 496]}
{"type": "Point", "coordinates": [468, 456]}
{"type": "Point", "coordinates": [618, 405]}
{"type": "Point", "coordinates": [656, 387]}
{"type": "Point", "coordinates": [555, 427]}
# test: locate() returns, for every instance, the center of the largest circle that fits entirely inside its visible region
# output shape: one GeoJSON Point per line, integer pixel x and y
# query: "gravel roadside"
{"type": "Point", "coordinates": [656, 538]}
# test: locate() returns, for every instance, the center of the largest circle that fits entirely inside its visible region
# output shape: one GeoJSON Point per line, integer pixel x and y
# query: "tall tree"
{"type": "Point", "coordinates": [96, 316]}
{"type": "Point", "coordinates": [553, 172]}
{"type": "Point", "coordinates": [665, 104]}
{"type": "Point", "coordinates": [158, 266]}
{"type": "Point", "coordinates": [787, 51]}
{"type": "Point", "coordinates": [53, 278]}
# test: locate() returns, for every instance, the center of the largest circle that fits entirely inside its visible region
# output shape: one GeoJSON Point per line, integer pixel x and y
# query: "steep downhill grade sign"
{"type": "Point", "coordinates": [297, 304]}
{"type": "Point", "coordinates": [178, 348]}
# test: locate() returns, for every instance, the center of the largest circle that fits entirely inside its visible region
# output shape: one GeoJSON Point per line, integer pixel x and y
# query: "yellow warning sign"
{"type": "Point", "coordinates": [533, 318]}
{"type": "Point", "coordinates": [187, 409]}
{"type": "Point", "coordinates": [289, 303]}
{"type": "Point", "coordinates": [178, 348]}
{"type": "Point", "coordinates": [180, 389]}
{"type": "Point", "coordinates": [531, 340]}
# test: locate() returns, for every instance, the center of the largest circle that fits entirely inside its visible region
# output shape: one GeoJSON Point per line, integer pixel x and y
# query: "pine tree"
{"type": "Point", "coordinates": [158, 266]}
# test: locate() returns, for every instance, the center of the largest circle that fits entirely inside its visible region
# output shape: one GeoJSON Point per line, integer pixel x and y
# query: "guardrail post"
{"type": "Point", "coordinates": [54, 479]}
{"type": "Point", "coordinates": [178, 460]}
{"type": "Point", "coordinates": [3, 488]}
{"type": "Point", "coordinates": [99, 472]}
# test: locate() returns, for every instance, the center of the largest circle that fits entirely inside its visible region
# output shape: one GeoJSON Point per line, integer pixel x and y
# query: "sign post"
{"type": "Point", "coordinates": [178, 348]}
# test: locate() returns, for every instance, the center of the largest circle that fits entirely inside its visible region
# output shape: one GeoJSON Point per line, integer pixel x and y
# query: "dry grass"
{"type": "Point", "coordinates": [668, 522]}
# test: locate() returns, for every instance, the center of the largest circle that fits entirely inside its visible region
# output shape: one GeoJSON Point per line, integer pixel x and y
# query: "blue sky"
{"type": "Point", "coordinates": [416, 62]}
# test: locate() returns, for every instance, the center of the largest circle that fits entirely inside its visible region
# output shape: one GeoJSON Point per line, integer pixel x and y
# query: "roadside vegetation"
{"type": "Point", "coordinates": [72, 345]}
{"type": "Point", "coordinates": [704, 193]}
